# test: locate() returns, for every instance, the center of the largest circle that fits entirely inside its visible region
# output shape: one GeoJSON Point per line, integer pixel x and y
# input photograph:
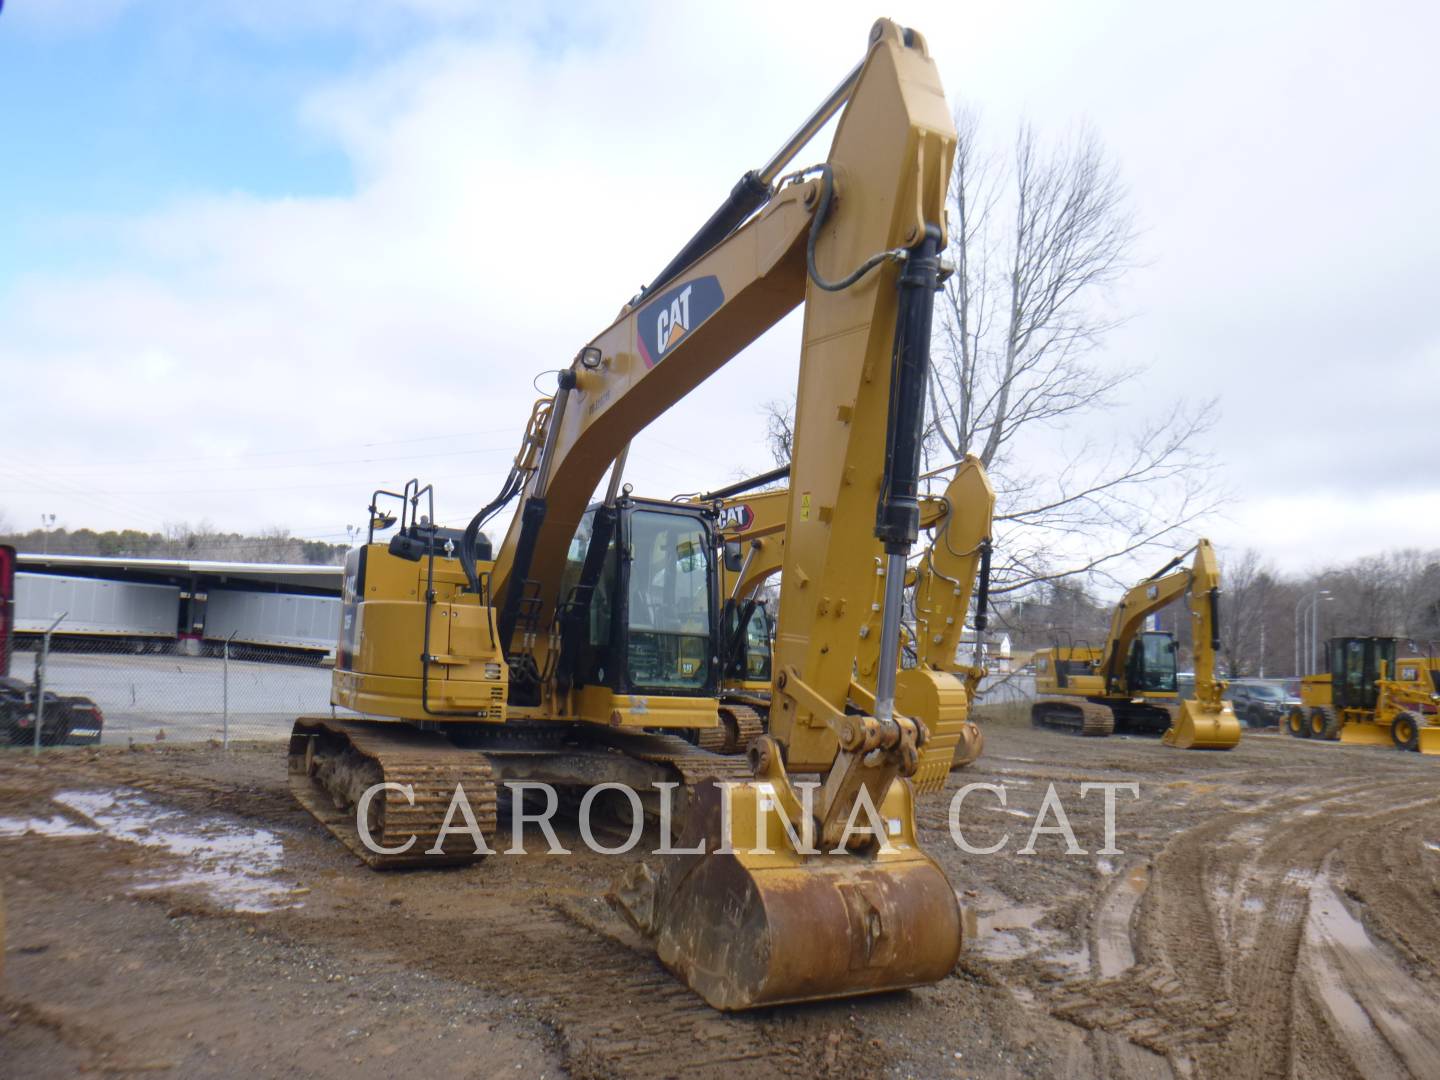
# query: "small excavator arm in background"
{"type": "Point", "coordinates": [941, 585]}
{"type": "Point", "coordinates": [945, 580]}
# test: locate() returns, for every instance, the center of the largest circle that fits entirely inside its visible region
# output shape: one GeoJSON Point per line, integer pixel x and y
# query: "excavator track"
{"type": "Point", "coordinates": [739, 725]}
{"type": "Point", "coordinates": [1077, 717]}
{"type": "Point", "coordinates": [333, 761]}
{"type": "Point", "coordinates": [1150, 718]}
{"type": "Point", "coordinates": [692, 763]}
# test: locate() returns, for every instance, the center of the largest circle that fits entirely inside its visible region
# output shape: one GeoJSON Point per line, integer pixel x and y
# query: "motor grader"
{"type": "Point", "coordinates": [1130, 684]}
{"type": "Point", "coordinates": [932, 687]}
{"type": "Point", "coordinates": [574, 651]}
{"type": "Point", "coordinates": [1368, 698]}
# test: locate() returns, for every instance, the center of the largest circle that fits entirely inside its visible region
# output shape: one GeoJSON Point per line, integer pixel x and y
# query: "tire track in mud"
{"type": "Point", "coordinates": [566, 961]}
{"type": "Point", "coordinates": [1395, 875]}
{"type": "Point", "coordinates": [1383, 1018]}
{"type": "Point", "coordinates": [617, 1012]}
{"type": "Point", "coordinates": [1226, 926]}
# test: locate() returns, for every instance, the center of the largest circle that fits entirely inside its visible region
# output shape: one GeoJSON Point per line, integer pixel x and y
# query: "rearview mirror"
{"type": "Point", "coordinates": [734, 559]}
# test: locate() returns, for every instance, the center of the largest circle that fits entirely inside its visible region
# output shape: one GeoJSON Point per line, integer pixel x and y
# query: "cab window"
{"type": "Point", "coordinates": [668, 602]}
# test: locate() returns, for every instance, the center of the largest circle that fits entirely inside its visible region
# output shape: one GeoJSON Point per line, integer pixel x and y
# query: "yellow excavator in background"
{"type": "Point", "coordinates": [570, 653]}
{"type": "Point", "coordinates": [935, 688]}
{"type": "Point", "coordinates": [1130, 685]}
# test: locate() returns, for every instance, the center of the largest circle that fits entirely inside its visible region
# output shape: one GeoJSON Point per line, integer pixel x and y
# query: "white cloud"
{"type": "Point", "coordinates": [518, 176]}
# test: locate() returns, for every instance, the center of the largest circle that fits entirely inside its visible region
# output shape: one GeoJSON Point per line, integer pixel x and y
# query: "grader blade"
{"type": "Point", "coordinates": [1198, 728]}
{"type": "Point", "coordinates": [1364, 733]}
{"type": "Point", "coordinates": [763, 925]}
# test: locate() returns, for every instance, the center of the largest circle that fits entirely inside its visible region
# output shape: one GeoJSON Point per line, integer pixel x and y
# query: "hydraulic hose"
{"type": "Point", "coordinates": [822, 211]}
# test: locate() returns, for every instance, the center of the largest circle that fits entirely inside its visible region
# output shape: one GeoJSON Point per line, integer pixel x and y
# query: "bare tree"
{"type": "Point", "coordinates": [1037, 242]}
{"type": "Point", "coordinates": [1391, 594]}
{"type": "Point", "coordinates": [1057, 612]}
{"type": "Point", "coordinates": [780, 429]}
{"type": "Point", "coordinates": [1019, 318]}
{"type": "Point", "coordinates": [1396, 593]}
{"type": "Point", "coordinates": [1246, 598]}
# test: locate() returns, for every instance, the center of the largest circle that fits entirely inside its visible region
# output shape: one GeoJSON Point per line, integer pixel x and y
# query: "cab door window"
{"type": "Point", "coordinates": [668, 602]}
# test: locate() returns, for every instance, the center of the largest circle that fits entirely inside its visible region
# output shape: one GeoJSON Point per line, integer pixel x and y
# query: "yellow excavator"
{"type": "Point", "coordinates": [1130, 685]}
{"type": "Point", "coordinates": [570, 653]}
{"type": "Point", "coordinates": [934, 688]}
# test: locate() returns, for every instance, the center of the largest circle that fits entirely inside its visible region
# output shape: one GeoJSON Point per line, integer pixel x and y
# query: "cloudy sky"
{"type": "Point", "coordinates": [259, 257]}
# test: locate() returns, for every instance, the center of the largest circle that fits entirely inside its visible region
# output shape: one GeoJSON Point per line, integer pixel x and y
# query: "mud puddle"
{"type": "Point", "coordinates": [1114, 949]}
{"type": "Point", "coordinates": [1012, 932]}
{"type": "Point", "coordinates": [234, 866]}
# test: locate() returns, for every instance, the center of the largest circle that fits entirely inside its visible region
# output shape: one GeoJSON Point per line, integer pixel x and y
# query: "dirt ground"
{"type": "Point", "coordinates": [1272, 912]}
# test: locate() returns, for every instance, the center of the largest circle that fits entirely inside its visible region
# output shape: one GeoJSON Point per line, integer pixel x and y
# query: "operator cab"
{"type": "Point", "coordinates": [1150, 668]}
{"type": "Point", "coordinates": [747, 641]}
{"type": "Point", "coordinates": [1354, 664]}
{"type": "Point", "coordinates": [647, 621]}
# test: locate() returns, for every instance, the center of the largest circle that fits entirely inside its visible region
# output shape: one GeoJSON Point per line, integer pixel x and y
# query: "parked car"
{"type": "Point", "coordinates": [1259, 704]}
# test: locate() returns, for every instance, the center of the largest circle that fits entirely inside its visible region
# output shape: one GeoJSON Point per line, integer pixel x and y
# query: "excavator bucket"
{"type": "Point", "coordinates": [761, 924]}
{"type": "Point", "coordinates": [1196, 727]}
{"type": "Point", "coordinates": [1429, 742]}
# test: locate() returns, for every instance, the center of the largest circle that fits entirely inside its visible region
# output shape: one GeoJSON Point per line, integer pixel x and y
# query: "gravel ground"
{"type": "Point", "coordinates": [1270, 911]}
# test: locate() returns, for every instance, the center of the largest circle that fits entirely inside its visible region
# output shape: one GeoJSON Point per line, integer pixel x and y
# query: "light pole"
{"type": "Point", "coordinates": [1315, 627]}
{"type": "Point", "coordinates": [1298, 634]}
{"type": "Point", "coordinates": [47, 522]}
{"type": "Point", "coordinates": [1304, 644]}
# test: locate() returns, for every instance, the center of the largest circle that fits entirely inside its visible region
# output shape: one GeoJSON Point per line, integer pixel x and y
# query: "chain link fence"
{"type": "Point", "coordinates": [153, 692]}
